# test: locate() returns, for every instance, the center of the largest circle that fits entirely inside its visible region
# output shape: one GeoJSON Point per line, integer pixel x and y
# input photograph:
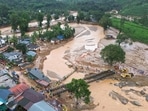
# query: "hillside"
{"type": "Point", "coordinates": [133, 7]}
{"type": "Point", "coordinates": [127, 7]}
{"type": "Point", "coordinates": [90, 7]}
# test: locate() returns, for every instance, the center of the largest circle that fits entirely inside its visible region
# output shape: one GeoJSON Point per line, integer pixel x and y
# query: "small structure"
{"type": "Point", "coordinates": [5, 80]}
{"type": "Point", "coordinates": [19, 89]}
{"type": "Point", "coordinates": [56, 104]}
{"type": "Point", "coordinates": [28, 98]}
{"type": "Point", "coordinates": [31, 53]}
{"type": "Point", "coordinates": [25, 41]}
{"type": "Point", "coordinates": [42, 106]}
{"type": "Point", "coordinates": [60, 37]}
{"type": "Point", "coordinates": [13, 56]}
{"type": "Point", "coordinates": [4, 96]}
{"type": "Point", "coordinates": [3, 49]}
{"type": "Point", "coordinates": [54, 41]}
{"type": "Point", "coordinates": [39, 77]}
{"type": "Point", "coordinates": [2, 42]}
{"type": "Point", "coordinates": [33, 47]}
{"type": "Point", "coordinates": [111, 33]}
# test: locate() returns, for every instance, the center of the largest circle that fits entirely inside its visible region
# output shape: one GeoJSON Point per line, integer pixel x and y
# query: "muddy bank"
{"type": "Point", "coordinates": [56, 62]}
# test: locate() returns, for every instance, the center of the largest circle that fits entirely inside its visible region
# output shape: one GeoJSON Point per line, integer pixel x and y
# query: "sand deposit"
{"type": "Point", "coordinates": [90, 60]}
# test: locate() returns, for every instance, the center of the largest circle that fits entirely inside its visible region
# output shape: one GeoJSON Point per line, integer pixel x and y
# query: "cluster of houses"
{"type": "Point", "coordinates": [21, 95]}
{"type": "Point", "coordinates": [16, 56]}
{"type": "Point", "coordinates": [13, 94]}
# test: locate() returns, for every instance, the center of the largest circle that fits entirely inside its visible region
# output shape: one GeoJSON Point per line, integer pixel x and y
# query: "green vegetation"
{"type": "Point", "coordinates": [133, 7]}
{"type": "Point", "coordinates": [30, 58]}
{"type": "Point", "coordinates": [135, 31]}
{"type": "Point", "coordinates": [21, 20]}
{"type": "Point", "coordinates": [112, 54]}
{"type": "Point", "coordinates": [105, 21]}
{"type": "Point", "coordinates": [96, 8]}
{"type": "Point", "coordinates": [57, 7]}
{"type": "Point", "coordinates": [121, 38]}
{"type": "Point", "coordinates": [22, 48]}
{"type": "Point", "coordinates": [80, 89]}
{"type": "Point", "coordinates": [56, 30]}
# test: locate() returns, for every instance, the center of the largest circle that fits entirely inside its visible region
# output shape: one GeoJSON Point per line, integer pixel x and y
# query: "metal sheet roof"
{"type": "Point", "coordinates": [42, 106]}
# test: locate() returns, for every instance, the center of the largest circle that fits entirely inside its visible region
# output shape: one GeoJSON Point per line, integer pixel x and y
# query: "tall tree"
{"type": "Point", "coordinates": [112, 54]}
{"type": "Point", "coordinates": [80, 89]}
{"type": "Point", "coordinates": [81, 15]}
{"type": "Point", "coordinates": [40, 17]}
{"type": "Point", "coordinates": [14, 20]}
{"type": "Point", "coordinates": [22, 48]}
{"type": "Point", "coordinates": [14, 40]}
{"type": "Point", "coordinates": [71, 18]}
{"type": "Point", "coordinates": [23, 26]}
{"type": "Point", "coordinates": [78, 19]}
{"type": "Point", "coordinates": [105, 22]}
{"type": "Point", "coordinates": [48, 20]}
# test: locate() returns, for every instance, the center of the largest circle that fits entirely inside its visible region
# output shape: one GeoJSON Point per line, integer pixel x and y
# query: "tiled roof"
{"type": "Point", "coordinates": [18, 89]}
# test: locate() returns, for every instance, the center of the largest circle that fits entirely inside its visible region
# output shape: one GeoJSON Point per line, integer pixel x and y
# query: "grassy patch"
{"type": "Point", "coordinates": [135, 31]}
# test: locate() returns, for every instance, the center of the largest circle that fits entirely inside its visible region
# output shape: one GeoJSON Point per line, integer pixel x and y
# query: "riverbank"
{"type": "Point", "coordinates": [86, 36]}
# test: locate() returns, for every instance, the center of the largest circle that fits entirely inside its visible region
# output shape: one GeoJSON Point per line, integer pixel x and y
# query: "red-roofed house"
{"type": "Point", "coordinates": [19, 89]}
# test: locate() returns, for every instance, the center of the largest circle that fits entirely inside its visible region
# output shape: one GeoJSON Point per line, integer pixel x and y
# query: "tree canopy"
{"type": "Point", "coordinates": [80, 89]}
{"type": "Point", "coordinates": [121, 38]}
{"type": "Point", "coordinates": [105, 21]}
{"type": "Point", "coordinates": [112, 54]}
{"type": "Point", "coordinates": [22, 48]}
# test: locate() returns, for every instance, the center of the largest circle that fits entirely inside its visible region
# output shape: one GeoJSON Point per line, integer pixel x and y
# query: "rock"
{"type": "Point", "coordinates": [116, 96]}
{"type": "Point", "coordinates": [146, 98]}
{"type": "Point", "coordinates": [144, 89]}
{"type": "Point", "coordinates": [142, 92]}
{"type": "Point", "coordinates": [113, 96]}
{"type": "Point", "coordinates": [137, 83]}
{"type": "Point", "coordinates": [136, 103]}
{"type": "Point", "coordinates": [124, 101]}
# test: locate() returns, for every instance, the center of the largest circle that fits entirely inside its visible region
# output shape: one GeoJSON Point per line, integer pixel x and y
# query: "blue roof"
{"type": "Point", "coordinates": [8, 54]}
{"type": "Point", "coordinates": [4, 93]}
{"type": "Point", "coordinates": [38, 74]}
{"type": "Point", "coordinates": [41, 106]}
{"type": "Point", "coordinates": [60, 37]}
{"type": "Point", "coordinates": [31, 53]}
{"type": "Point", "coordinates": [25, 41]}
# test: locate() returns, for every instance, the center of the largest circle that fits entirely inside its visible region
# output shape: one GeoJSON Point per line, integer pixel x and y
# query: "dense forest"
{"type": "Point", "coordinates": [89, 7]}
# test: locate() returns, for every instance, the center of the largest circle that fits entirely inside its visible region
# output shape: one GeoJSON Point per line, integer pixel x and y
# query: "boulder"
{"type": "Point", "coordinates": [116, 96]}
{"type": "Point", "coordinates": [136, 103]}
